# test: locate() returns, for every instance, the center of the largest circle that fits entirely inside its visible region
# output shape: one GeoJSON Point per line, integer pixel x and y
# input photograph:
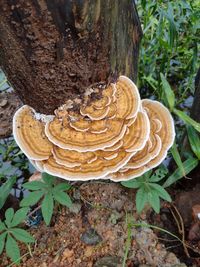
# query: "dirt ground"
{"type": "Point", "coordinates": [97, 232]}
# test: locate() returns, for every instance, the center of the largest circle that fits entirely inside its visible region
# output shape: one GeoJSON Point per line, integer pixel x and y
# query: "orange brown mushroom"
{"type": "Point", "coordinates": [118, 137]}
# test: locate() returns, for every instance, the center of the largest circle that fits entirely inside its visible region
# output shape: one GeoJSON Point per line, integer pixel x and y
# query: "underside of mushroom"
{"type": "Point", "coordinates": [117, 137]}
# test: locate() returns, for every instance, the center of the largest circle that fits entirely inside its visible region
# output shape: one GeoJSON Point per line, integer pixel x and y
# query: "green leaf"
{"type": "Point", "coordinates": [12, 249]}
{"type": "Point", "coordinates": [47, 207]}
{"type": "Point", "coordinates": [169, 93]}
{"type": "Point", "coordinates": [177, 158]}
{"type": "Point", "coordinates": [141, 199]}
{"type": "Point", "coordinates": [2, 226]}
{"type": "Point", "coordinates": [194, 140]}
{"type": "Point", "coordinates": [134, 183]}
{"type": "Point", "coordinates": [48, 179]}
{"type": "Point", "coordinates": [63, 198]}
{"type": "Point", "coordinates": [2, 241]}
{"type": "Point", "coordinates": [22, 235]}
{"type": "Point", "coordinates": [31, 199]}
{"type": "Point", "coordinates": [161, 191]}
{"type": "Point", "coordinates": [159, 174]}
{"type": "Point", "coordinates": [62, 187]}
{"type": "Point", "coordinates": [145, 176]}
{"type": "Point", "coordinates": [19, 216]}
{"type": "Point", "coordinates": [9, 216]}
{"type": "Point", "coordinates": [189, 165]}
{"type": "Point", "coordinates": [154, 201]}
{"type": "Point", "coordinates": [34, 185]}
{"type": "Point", "coordinates": [187, 119]}
{"type": "Point", "coordinates": [5, 190]}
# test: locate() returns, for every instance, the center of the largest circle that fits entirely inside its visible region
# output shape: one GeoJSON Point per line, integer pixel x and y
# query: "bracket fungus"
{"type": "Point", "coordinates": [117, 137]}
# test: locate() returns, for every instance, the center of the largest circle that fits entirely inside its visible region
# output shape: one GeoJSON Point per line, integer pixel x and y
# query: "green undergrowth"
{"type": "Point", "coordinates": [169, 60]}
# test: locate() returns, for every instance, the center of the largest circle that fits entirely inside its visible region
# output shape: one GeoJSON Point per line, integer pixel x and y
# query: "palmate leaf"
{"type": "Point", "coordinates": [2, 226]}
{"type": "Point", "coordinates": [161, 191]}
{"type": "Point", "coordinates": [22, 235]}
{"type": "Point", "coordinates": [141, 199]}
{"type": "Point", "coordinates": [34, 185]}
{"type": "Point", "coordinates": [31, 199]}
{"type": "Point", "coordinates": [62, 187]}
{"type": "Point", "coordinates": [159, 174]}
{"type": "Point", "coordinates": [154, 201]}
{"type": "Point", "coordinates": [9, 216]}
{"type": "Point", "coordinates": [47, 207]}
{"type": "Point", "coordinates": [2, 241]}
{"type": "Point", "coordinates": [62, 197]}
{"type": "Point", "coordinates": [19, 216]}
{"type": "Point", "coordinates": [134, 183]}
{"type": "Point", "coordinates": [48, 179]}
{"type": "Point", "coordinates": [12, 249]}
{"type": "Point", "coordinates": [5, 190]}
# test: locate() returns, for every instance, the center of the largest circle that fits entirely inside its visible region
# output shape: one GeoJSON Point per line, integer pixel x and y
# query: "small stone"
{"type": "Point", "coordinates": [3, 102]}
{"type": "Point", "coordinates": [77, 194]}
{"type": "Point", "coordinates": [91, 237]}
{"type": "Point", "coordinates": [75, 208]}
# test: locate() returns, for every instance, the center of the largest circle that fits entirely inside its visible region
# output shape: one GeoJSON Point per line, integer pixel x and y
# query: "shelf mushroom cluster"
{"type": "Point", "coordinates": [117, 137]}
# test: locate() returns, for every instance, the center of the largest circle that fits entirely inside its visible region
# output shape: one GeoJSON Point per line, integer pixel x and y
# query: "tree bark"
{"type": "Point", "coordinates": [52, 50]}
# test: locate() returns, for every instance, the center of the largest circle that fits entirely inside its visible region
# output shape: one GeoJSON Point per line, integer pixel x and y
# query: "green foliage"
{"type": "Point", "coordinates": [194, 140]}
{"type": "Point", "coordinates": [183, 116]}
{"type": "Point", "coordinates": [148, 189]}
{"type": "Point", "coordinates": [5, 190]}
{"type": "Point", "coordinates": [170, 45]}
{"type": "Point", "coordinates": [188, 166]}
{"type": "Point", "coordinates": [9, 233]}
{"type": "Point", "coordinates": [49, 192]}
{"type": "Point", "coordinates": [177, 158]}
{"type": "Point", "coordinates": [169, 62]}
{"type": "Point", "coordinates": [169, 93]}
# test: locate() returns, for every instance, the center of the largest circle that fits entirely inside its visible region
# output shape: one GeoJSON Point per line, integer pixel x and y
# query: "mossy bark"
{"type": "Point", "coordinates": [52, 50]}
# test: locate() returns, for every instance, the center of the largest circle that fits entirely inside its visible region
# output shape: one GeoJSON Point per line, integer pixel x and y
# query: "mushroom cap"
{"type": "Point", "coordinates": [117, 137]}
{"type": "Point", "coordinates": [127, 98]}
{"type": "Point", "coordinates": [137, 133]}
{"type": "Point", "coordinates": [29, 134]}
{"type": "Point", "coordinates": [162, 131]}
{"type": "Point", "coordinates": [72, 158]}
{"type": "Point", "coordinates": [84, 141]}
{"type": "Point", "coordinates": [99, 109]}
{"type": "Point", "coordinates": [99, 163]}
{"type": "Point", "coordinates": [98, 128]}
{"type": "Point", "coordinates": [96, 169]}
{"type": "Point", "coordinates": [151, 149]}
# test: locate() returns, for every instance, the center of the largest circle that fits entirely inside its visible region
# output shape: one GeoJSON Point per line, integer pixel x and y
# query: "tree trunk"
{"type": "Point", "coordinates": [52, 50]}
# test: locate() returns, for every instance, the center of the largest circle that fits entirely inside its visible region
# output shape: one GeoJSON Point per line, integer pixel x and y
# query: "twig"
{"type": "Point", "coordinates": [32, 212]}
{"type": "Point", "coordinates": [182, 230]}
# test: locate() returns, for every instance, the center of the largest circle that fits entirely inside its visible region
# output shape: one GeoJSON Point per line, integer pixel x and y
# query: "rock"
{"type": "Point", "coordinates": [108, 261]}
{"type": "Point", "coordinates": [185, 201]}
{"type": "Point", "coordinates": [75, 208]}
{"type": "Point", "coordinates": [91, 237]}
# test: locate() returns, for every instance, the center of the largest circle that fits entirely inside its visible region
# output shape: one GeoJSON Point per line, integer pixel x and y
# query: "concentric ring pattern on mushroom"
{"type": "Point", "coordinates": [117, 137]}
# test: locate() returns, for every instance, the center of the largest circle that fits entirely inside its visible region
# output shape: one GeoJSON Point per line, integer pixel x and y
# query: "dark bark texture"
{"type": "Point", "coordinates": [52, 50]}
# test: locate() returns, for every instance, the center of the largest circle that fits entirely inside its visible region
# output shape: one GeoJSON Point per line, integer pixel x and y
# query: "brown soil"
{"type": "Point", "coordinates": [101, 209]}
